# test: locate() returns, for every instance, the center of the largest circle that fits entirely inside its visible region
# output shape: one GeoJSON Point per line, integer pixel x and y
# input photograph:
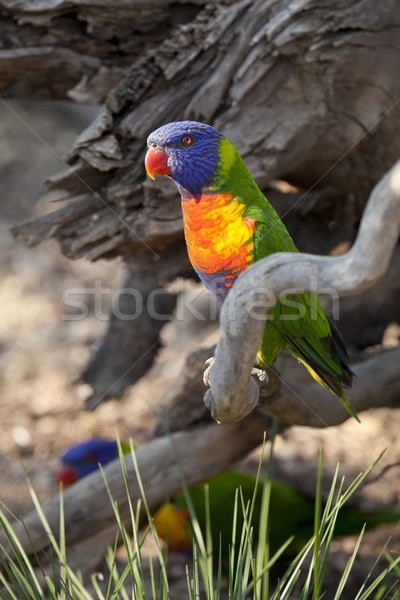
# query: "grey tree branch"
{"type": "Point", "coordinates": [233, 394]}
{"type": "Point", "coordinates": [376, 384]}
{"type": "Point", "coordinates": [204, 451]}
{"type": "Point", "coordinates": [287, 83]}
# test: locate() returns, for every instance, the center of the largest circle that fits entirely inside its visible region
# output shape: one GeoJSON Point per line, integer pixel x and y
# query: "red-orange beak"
{"type": "Point", "coordinates": [156, 161]}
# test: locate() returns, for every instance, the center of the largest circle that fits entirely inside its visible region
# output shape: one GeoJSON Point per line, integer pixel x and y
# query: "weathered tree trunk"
{"type": "Point", "coordinates": [307, 91]}
{"type": "Point", "coordinates": [132, 338]}
{"type": "Point", "coordinates": [77, 49]}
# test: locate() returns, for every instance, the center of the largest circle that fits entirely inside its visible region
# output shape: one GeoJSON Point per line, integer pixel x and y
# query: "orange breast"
{"type": "Point", "coordinates": [219, 239]}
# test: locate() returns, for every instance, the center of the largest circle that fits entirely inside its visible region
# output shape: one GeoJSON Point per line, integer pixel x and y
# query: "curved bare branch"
{"type": "Point", "coordinates": [233, 393]}
{"type": "Point", "coordinates": [204, 451]}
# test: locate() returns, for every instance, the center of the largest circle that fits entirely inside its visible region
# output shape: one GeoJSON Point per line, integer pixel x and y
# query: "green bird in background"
{"type": "Point", "coordinates": [291, 513]}
{"type": "Point", "coordinates": [229, 224]}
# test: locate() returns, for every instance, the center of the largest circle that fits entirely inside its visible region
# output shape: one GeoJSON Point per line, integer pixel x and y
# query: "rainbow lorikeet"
{"type": "Point", "coordinates": [81, 459]}
{"type": "Point", "coordinates": [290, 513]}
{"type": "Point", "coordinates": [229, 224]}
{"type": "Point", "coordinates": [172, 525]}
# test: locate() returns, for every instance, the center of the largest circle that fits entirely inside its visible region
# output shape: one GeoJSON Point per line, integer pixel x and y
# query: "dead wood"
{"type": "Point", "coordinates": [79, 49]}
{"type": "Point", "coordinates": [364, 318]}
{"type": "Point", "coordinates": [182, 405]}
{"type": "Point", "coordinates": [300, 92]}
{"type": "Point", "coordinates": [202, 453]}
{"type": "Point", "coordinates": [376, 384]}
{"type": "Point", "coordinates": [132, 338]}
{"type": "Point", "coordinates": [307, 93]}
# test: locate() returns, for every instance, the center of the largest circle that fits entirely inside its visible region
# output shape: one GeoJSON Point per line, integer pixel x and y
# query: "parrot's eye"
{"type": "Point", "coordinates": [187, 140]}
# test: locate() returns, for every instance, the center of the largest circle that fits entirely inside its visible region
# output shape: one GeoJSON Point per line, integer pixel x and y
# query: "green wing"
{"type": "Point", "coordinates": [297, 322]}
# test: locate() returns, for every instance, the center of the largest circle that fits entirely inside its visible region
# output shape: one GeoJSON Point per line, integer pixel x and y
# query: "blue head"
{"type": "Point", "coordinates": [83, 458]}
{"type": "Point", "coordinates": [187, 151]}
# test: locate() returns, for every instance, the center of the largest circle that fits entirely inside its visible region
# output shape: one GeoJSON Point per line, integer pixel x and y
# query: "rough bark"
{"type": "Point", "coordinates": [306, 92]}
{"type": "Point", "coordinates": [132, 338]}
{"type": "Point", "coordinates": [79, 49]}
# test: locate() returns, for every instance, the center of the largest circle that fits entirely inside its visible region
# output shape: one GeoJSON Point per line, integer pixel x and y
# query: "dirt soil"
{"type": "Point", "coordinates": [42, 354]}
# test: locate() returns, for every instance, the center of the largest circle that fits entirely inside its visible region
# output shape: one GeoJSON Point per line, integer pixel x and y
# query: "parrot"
{"type": "Point", "coordinates": [81, 459]}
{"type": "Point", "coordinates": [172, 525]}
{"type": "Point", "coordinates": [291, 513]}
{"type": "Point", "coordinates": [228, 225]}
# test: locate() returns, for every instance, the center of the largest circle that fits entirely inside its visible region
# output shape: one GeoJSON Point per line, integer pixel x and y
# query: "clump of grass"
{"type": "Point", "coordinates": [249, 568]}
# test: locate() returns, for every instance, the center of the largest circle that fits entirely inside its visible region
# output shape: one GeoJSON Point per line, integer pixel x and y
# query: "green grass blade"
{"type": "Point", "coordinates": [94, 579]}
{"type": "Point", "coordinates": [209, 543]}
{"type": "Point", "coordinates": [27, 577]}
{"type": "Point", "coordinates": [74, 579]}
{"type": "Point", "coordinates": [348, 567]}
{"type": "Point", "coordinates": [150, 521]}
{"type": "Point", "coordinates": [374, 584]}
{"type": "Point", "coordinates": [317, 527]}
{"type": "Point", "coordinates": [262, 554]}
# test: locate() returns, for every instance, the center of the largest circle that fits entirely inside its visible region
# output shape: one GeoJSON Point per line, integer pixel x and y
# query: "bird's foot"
{"type": "Point", "coordinates": [268, 381]}
{"type": "Point", "coordinates": [260, 376]}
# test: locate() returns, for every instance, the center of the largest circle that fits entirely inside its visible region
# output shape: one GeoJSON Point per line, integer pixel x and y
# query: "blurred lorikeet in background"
{"type": "Point", "coordinates": [172, 523]}
{"type": "Point", "coordinates": [229, 224]}
{"type": "Point", "coordinates": [81, 459]}
{"type": "Point", "coordinates": [290, 512]}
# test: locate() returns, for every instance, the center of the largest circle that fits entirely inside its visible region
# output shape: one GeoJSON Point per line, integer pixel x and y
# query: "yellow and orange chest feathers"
{"type": "Point", "coordinates": [219, 239]}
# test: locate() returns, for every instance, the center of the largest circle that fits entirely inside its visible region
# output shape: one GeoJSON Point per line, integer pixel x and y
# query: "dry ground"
{"type": "Point", "coordinates": [42, 354]}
